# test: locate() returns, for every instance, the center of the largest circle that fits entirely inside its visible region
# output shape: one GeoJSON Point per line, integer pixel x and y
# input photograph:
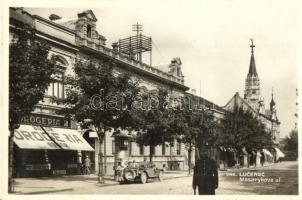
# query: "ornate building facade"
{"type": "Point", "coordinates": [79, 37]}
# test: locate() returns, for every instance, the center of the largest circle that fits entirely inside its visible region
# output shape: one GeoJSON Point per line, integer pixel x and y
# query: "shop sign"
{"type": "Point", "coordinates": [45, 120]}
{"type": "Point", "coordinates": [36, 137]}
{"type": "Point", "coordinates": [37, 167]}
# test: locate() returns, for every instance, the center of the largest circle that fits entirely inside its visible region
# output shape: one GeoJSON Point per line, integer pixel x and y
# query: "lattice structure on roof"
{"type": "Point", "coordinates": [134, 46]}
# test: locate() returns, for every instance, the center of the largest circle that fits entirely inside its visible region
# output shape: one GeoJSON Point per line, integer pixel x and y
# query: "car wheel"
{"type": "Point", "coordinates": [143, 178]}
{"type": "Point", "coordinates": [129, 175]}
{"type": "Point", "coordinates": [161, 176]}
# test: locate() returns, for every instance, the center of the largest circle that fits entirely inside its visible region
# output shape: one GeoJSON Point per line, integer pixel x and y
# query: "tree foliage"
{"type": "Point", "coordinates": [195, 126]}
{"type": "Point", "coordinates": [30, 73]}
{"type": "Point", "coordinates": [242, 129]}
{"type": "Point", "coordinates": [100, 94]}
{"type": "Point", "coordinates": [291, 141]}
{"type": "Point", "coordinates": [154, 121]}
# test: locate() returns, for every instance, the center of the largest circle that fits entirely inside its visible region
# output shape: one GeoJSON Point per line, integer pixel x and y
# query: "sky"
{"type": "Point", "coordinates": [212, 38]}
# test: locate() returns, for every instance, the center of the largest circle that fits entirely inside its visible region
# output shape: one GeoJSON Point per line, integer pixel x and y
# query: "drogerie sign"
{"type": "Point", "coordinates": [45, 120]}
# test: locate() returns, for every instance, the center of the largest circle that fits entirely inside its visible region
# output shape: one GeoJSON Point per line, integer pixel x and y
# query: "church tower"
{"type": "Point", "coordinates": [252, 85]}
{"type": "Point", "coordinates": [273, 108]}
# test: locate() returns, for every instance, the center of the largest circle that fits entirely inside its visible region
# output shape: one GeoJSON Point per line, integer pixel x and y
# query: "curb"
{"type": "Point", "coordinates": [47, 191]}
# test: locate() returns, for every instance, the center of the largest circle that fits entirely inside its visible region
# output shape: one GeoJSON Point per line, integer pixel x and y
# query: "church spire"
{"type": "Point", "coordinates": [252, 69]}
{"type": "Point", "coordinates": [272, 103]}
{"type": "Point", "coordinates": [252, 84]}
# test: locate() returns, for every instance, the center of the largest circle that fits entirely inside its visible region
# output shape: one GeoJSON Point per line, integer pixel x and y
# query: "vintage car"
{"type": "Point", "coordinates": [141, 172]}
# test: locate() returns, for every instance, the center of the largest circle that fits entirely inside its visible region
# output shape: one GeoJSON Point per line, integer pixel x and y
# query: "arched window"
{"type": "Point", "coordinates": [56, 88]}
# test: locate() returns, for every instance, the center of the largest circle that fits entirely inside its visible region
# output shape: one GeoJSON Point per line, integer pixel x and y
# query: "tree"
{"type": "Point", "coordinates": [242, 129]}
{"type": "Point", "coordinates": [291, 143]}
{"type": "Point", "coordinates": [194, 126]}
{"type": "Point", "coordinates": [100, 96]}
{"type": "Point", "coordinates": [154, 121]}
{"type": "Point", "coordinates": [30, 73]}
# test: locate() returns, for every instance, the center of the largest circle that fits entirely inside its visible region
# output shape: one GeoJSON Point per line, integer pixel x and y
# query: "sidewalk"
{"type": "Point", "coordinates": [47, 185]}
{"type": "Point", "coordinates": [253, 167]}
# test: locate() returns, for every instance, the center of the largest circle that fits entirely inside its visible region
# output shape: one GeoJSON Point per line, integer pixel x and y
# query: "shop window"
{"type": "Point", "coordinates": [178, 150]}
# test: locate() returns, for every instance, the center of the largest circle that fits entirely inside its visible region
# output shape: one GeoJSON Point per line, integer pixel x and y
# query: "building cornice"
{"type": "Point", "coordinates": [135, 66]}
{"type": "Point", "coordinates": [54, 24]}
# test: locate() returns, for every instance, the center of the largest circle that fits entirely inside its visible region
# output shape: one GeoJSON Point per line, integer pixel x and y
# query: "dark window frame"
{"type": "Point", "coordinates": [163, 150]}
{"type": "Point", "coordinates": [141, 150]}
{"type": "Point", "coordinates": [178, 148]}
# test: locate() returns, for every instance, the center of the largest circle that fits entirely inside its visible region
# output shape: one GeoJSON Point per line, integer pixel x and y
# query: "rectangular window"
{"type": "Point", "coordinates": [89, 31]}
{"type": "Point", "coordinates": [130, 148]}
{"type": "Point", "coordinates": [141, 149]}
{"type": "Point", "coordinates": [61, 90]}
{"type": "Point", "coordinates": [178, 150]}
{"type": "Point", "coordinates": [152, 150]}
{"type": "Point", "coordinates": [113, 147]}
{"type": "Point", "coordinates": [50, 89]}
{"type": "Point", "coordinates": [164, 149]}
{"type": "Point", "coordinates": [56, 88]}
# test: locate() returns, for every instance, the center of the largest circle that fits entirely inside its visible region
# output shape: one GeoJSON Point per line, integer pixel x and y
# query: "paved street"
{"type": "Point", "coordinates": [265, 181]}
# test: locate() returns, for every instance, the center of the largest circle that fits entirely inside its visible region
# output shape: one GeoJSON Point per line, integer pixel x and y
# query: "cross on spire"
{"type": "Point", "coordinates": [252, 45]}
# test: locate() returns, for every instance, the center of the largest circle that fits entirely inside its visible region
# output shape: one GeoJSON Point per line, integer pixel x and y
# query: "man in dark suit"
{"type": "Point", "coordinates": [205, 174]}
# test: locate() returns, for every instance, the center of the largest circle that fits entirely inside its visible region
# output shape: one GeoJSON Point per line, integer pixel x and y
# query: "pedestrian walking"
{"type": "Point", "coordinates": [205, 176]}
{"type": "Point", "coordinates": [87, 163]}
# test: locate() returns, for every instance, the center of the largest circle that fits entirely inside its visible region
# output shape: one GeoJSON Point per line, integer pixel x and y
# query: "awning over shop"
{"type": "Point", "coordinates": [33, 137]}
{"type": "Point", "coordinates": [279, 153]}
{"type": "Point", "coordinates": [36, 137]}
{"type": "Point", "coordinates": [265, 151]}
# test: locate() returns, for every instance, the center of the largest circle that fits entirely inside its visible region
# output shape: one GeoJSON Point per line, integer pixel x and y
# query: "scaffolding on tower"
{"type": "Point", "coordinates": [134, 46]}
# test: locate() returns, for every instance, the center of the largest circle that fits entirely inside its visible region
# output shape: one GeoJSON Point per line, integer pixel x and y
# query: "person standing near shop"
{"type": "Point", "coordinates": [205, 176]}
{"type": "Point", "coordinates": [87, 163]}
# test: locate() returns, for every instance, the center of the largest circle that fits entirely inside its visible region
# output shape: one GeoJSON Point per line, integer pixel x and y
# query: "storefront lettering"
{"type": "Point", "coordinates": [37, 136]}
{"type": "Point", "coordinates": [38, 119]}
{"type": "Point", "coordinates": [34, 136]}
{"type": "Point", "coordinates": [18, 136]}
{"type": "Point", "coordinates": [42, 136]}
{"type": "Point", "coordinates": [69, 138]}
{"type": "Point", "coordinates": [27, 135]}
{"type": "Point", "coordinates": [56, 137]}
